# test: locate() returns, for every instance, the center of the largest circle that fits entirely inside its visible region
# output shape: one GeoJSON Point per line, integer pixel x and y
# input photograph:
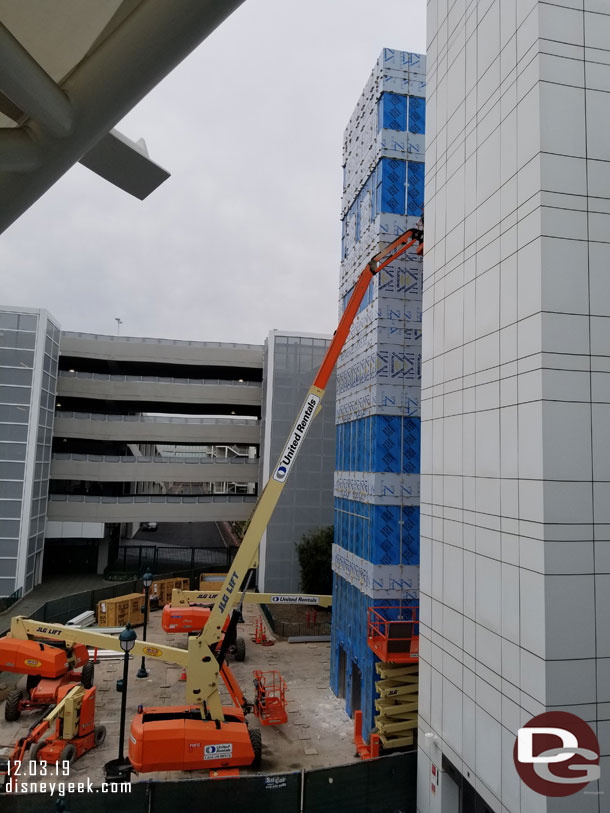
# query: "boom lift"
{"type": "Point", "coordinates": [190, 609]}
{"type": "Point", "coordinates": [75, 730]}
{"type": "Point", "coordinates": [48, 669]}
{"type": "Point", "coordinates": [206, 734]}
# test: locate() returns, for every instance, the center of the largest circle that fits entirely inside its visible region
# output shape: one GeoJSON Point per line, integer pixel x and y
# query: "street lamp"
{"type": "Point", "coordinates": [147, 578]}
{"type": "Point", "coordinates": [127, 639]}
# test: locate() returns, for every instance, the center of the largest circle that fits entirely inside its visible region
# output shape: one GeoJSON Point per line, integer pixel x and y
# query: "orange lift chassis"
{"type": "Point", "coordinates": [75, 733]}
{"type": "Point", "coordinates": [48, 669]}
{"type": "Point", "coordinates": [204, 734]}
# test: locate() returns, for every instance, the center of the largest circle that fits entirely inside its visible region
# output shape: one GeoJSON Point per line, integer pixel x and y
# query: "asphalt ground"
{"type": "Point", "coordinates": [182, 534]}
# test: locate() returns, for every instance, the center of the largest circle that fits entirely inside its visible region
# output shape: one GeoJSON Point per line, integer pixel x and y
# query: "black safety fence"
{"type": "Point", "coordinates": [290, 629]}
{"type": "Point", "coordinates": [385, 785]}
{"type": "Point", "coordinates": [7, 601]}
{"type": "Point", "coordinates": [293, 629]}
{"type": "Point", "coordinates": [60, 610]}
{"type": "Point", "coordinates": [161, 558]}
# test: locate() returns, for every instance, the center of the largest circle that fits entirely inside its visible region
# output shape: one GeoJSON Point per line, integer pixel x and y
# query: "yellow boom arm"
{"type": "Point", "coordinates": [200, 646]}
{"type": "Point", "coordinates": [24, 628]}
{"type": "Point", "coordinates": [202, 666]}
{"type": "Point", "coordinates": [183, 598]}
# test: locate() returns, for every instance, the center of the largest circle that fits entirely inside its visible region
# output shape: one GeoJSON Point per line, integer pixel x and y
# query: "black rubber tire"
{"type": "Point", "coordinates": [240, 649]}
{"type": "Point", "coordinates": [99, 735]}
{"type": "Point", "coordinates": [34, 749]}
{"type": "Point", "coordinates": [87, 675]}
{"type": "Point", "coordinates": [68, 753]}
{"type": "Point", "coordinates": [32, 682]}
{"type": "Point", "coordinates": [257, 746]}
{"type": "Point", "coordinates": [12, 711]}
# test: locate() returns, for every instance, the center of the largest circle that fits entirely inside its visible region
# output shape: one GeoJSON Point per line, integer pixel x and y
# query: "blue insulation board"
{"type": "Point", "coordinates": [391, 175]}
{"type": "Point", "coordinates": [390, 178]}
{"type": "Point", "coordinates": [379, 443]}
{"type": "Point", "coordinates": [397, 187]}
{"type": "Point", "coordinates": [417, 115]}
{"type": "Point", "coordinates": [366, 299]}
{"type": "Point", "coordinates": [415, 188]}
{"type": "Point", "coordinates": [381, 534]}
{"type": "Point", "coordinates": [392, 112]}
{"type": "Point", "coordinates": [349, 633]}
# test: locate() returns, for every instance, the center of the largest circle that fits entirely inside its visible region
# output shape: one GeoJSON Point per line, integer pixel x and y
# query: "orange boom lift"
{"type": "Point", "coordinates": [48, 669]}
{"type": "Point", "coordinates": [204, 734]}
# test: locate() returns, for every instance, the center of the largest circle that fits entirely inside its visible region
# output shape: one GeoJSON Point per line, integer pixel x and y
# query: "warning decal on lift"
{"type": "Point", "coordinates": [223, 750]}
{"type": "Point", "coordinates": [299, 431]}
{"type": "Point", "coordinates": [32, 662]}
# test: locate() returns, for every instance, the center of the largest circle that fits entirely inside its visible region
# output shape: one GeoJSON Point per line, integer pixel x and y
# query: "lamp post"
{"type": "Point", "coordinates": [127, 639]}
{"type": "Point", "coordinates": [147, 578]}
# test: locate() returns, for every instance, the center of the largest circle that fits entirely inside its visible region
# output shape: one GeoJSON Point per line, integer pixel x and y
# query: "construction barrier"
{"type": "Point", "coordinates": [118, 611]}
{"type": "Point", "coordinates": [60, 610]}
{"type": "Point", "coordinates": [374, 786]}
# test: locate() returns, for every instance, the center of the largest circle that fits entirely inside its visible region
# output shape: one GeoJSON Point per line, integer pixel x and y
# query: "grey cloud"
{"type": "Point", "coordinates": [244, 237]}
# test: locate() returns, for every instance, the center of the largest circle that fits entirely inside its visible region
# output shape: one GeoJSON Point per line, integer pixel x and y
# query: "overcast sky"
{"type": "Point", "coordinates": [245, 235]}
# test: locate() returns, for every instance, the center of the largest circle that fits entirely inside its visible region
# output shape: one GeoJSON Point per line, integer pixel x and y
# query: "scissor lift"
{"type": "Point", "coordinates": [393, 635]}
{"type": "Point", "coordinates": [393, 632]}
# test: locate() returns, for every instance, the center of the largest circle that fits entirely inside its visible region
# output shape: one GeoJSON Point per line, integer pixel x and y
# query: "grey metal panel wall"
{"type": "Point", "coordinates": [307, 499]}
{"type": "Point", "coordinates": [29, 347]}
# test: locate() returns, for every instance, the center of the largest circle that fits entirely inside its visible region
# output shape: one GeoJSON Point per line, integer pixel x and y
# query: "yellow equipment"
{"type": "Point", "coordinates": [206, 734]}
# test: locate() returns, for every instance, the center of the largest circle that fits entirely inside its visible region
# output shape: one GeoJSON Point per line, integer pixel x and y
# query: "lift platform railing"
{"type": "Point", "coordinates": [393, 632]}
{"type": "Point", "coordinates": [270, 700]}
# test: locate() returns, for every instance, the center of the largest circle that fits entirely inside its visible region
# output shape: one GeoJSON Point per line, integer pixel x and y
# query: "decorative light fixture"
{"type": "Point", "coordinates": [127, 640]}
{"type": "Point", "coordinates": [147, 580]}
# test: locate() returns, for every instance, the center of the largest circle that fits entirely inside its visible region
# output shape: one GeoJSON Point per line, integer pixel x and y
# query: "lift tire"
{"type": "Point", "coordinates": [87, 674]}
{"type": "Point", "coordinates": [257, 746]}
{"type": "Point", "coordinates": [240, 649]}
{"type": "Point", "coordinates": [32, 682]}
{"type": "Point", "coordinates": [33, 752]}
{"type": "Point", "coordinates": [68, 753]}
{"type": "Point", "coordinates": [12, 711]}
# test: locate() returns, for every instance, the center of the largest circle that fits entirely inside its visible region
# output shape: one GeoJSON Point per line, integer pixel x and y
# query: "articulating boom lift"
{"type": "Point", "coordinates": [206, 734]}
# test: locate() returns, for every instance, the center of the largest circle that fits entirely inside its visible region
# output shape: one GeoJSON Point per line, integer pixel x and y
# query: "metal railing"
{"type": "Point", "coordinates": [157, 379]}
{"type": "Point", "coordinates": [7, 601]}
{"type": "Point", "coordinates": [98, 458]}
{"type": "Point", "coordinates": [160, 558]}
{"type": "Point", "coordinates": [159, 499]}
{"type": "Point", "coordinates": [149, 340]}
{"type": "Point", "coordinates": [99, 416]}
